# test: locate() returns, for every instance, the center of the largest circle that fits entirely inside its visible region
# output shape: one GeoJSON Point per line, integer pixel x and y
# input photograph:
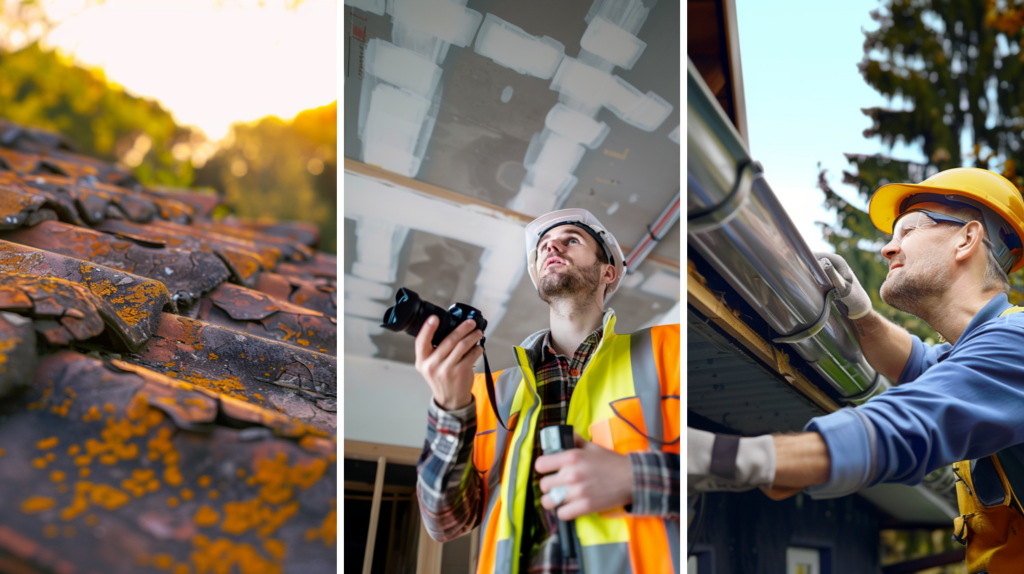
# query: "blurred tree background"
{"type": "Point", "coordinates": [281, 169]}
{"type": "Point", "coordinates": [953, 72]}
{"type": "Point", "coordinates": [270, 168]}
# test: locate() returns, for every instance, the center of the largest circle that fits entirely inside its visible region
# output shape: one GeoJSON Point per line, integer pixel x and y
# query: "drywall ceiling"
{"type": "Point", "coordinates": [486, 117]}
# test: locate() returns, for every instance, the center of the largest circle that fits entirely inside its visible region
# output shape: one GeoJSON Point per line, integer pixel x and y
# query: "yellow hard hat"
{"type": "Point", "coordinates": [999, 201]}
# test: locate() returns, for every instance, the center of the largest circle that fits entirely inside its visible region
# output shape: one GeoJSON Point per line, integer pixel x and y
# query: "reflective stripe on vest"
{"type": "Point", "coordinates": [627, 400]}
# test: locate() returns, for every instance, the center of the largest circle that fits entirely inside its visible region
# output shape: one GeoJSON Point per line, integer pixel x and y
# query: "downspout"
{"type": "Point", "coordinates": [738, 226]}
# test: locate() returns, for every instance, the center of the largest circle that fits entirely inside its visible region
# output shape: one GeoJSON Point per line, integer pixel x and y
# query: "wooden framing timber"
{"type": "Point", "coordinates": [709, 305]}
{"type": "Point", "coordinates": [376, 172]}
{"type": "Point", "coordinates": [371, 535]}
{"type": "Point", "coordinates": [370, 451]}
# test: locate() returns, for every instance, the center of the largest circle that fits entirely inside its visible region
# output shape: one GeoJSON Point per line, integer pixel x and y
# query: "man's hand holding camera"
{"type": "Point", "coordinates": [448, 368]}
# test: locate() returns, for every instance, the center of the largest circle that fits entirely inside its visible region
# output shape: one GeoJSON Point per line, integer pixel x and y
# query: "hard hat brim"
{"type": "Point", "coordinates": [884, 206]}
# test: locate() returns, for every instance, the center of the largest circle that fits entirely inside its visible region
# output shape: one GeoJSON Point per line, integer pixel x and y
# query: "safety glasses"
{"type": "Point", "coordinates": [917, 219]}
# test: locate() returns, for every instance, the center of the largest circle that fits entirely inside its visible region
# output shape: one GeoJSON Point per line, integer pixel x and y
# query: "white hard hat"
{"type": "Point", "coordinates": [584, 220]}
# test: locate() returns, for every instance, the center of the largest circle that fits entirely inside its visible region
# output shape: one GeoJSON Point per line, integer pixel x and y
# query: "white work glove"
{"type": "Point", "coordinates": [856, 299]}
{"type": "Point", "coordinates": [726, 462]}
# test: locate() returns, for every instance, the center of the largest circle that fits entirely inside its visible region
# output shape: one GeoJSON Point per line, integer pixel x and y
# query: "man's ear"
{"type": "Point", "coordinates": [969, 240]}
{"type": "Point", "coordinates": [609, 273]}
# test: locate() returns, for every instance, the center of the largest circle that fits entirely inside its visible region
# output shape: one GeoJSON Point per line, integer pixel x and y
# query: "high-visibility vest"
{"type": "Point", "coordinates": [627, 400]}
{"type": "Point", "coordinates": [991, 522]}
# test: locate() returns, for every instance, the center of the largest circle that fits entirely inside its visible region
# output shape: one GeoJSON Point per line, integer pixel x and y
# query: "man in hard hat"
{"type": "Point", "coordinates": [482, 464]}
{"type": "Point", "coordinates": [955, 237]}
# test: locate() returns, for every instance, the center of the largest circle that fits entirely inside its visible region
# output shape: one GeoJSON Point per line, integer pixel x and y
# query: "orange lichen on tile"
{"type": "Point", "coordinates": [275, 548]}
{"type": "Point", "coordinates": [229, 385]}
{"type": "Point", "coordinates": [288, 333]}
{"type": "Point", "coordinates": [129, 306]}
{"type": "Point", "coordinates": [172, 476]}
{"type": "Point", "coordinates": [58, 476]}
{"type": "Point", "coordinates": [74, 449]}
{"type": "Point", "coordinates": [186, 494]}
{"type": "Point", "coordinates": [107, 496]}
{"type": "Point", "coordinates": [328, 531]}
{"type": "Point", "coordinates": [273, 505]}
{"type": "Point", "coordinates": [204, 481]}
{"type": "Point", "coordinates": [37, 504]}
{"type": "Point", "coordinates": [62, 409]}
{"type": "Point", "coordinates": [142, 481]}
{"type": "Point", "coordinates": [39, 463]}
{"type": "Point", "coordinates": [87, 493]}
{"type": "Point", "coordinates": [93, 414]}
{"type": "Point", "coordinates": [172, 502]}
{"type": "Point", "coordinates": [102, 288]}
{"type": "Point", "coordinates": [206, 516]}
{"type": "Point", "coordinates": [5, 346]}
{"type": "Point", "coordinates": [47, 443]}
{"type": "Point", "coordinates": [223, 555]}
{"type": "Point", "coordinates": [163, 561]}
{"type": "Point", "coordinates": [51, 531]}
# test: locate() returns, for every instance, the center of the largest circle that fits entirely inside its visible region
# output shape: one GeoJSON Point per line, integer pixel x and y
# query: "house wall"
{"type": "Point", "coordinates": [748, 533]}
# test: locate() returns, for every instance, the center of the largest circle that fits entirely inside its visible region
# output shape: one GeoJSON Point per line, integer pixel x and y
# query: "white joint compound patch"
{"type": "Point", "coordinates": [612, 43]}
{"type": "Point", "coordinates": [503, 261]}
{"type": "Point", "coordinates": [447, 20]}
{"type": "Point", "coordinates": [576, 126]}
{"type": "Point", "coordinates": [513, 47]}
{"type": "Point", "coordinates": [402, 68]}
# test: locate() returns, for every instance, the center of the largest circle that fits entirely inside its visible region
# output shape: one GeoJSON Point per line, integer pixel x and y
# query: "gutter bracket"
{"type": "Point", "coordinates": [816, 327]}
{"type": "Point", "coordinates": [866, 393]}
{"type": "Point", "coordinates": [715, 216]}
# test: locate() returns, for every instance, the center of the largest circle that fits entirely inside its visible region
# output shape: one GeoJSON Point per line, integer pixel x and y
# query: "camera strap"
{"type": "Point", "coordinates": [490, 387]}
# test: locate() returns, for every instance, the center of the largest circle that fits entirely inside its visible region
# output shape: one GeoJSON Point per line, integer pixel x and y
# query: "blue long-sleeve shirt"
{"type": "Point", "coordinates": [955, 402]}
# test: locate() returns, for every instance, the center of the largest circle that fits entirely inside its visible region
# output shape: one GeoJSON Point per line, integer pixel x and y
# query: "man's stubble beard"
{"type": "Point", "coordinates": [578, 284]}
{"type": "Point", "coordinates": [908, 294]}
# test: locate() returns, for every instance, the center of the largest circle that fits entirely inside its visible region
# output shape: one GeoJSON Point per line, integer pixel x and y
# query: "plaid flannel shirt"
{"type": "Point", "coordinates": [451, 499]}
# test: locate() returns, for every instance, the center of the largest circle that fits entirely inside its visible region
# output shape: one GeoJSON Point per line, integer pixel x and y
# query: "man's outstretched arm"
{"type": "Point", "coordinates": [781, 464]}
{"type": "Point", "coordinates": [885, 345]}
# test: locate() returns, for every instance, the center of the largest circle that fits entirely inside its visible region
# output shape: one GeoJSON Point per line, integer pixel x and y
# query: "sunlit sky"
{"type": "Point", "coordinates": [210, 62]}
{"type": "Point", "coordinates": [803, 99]}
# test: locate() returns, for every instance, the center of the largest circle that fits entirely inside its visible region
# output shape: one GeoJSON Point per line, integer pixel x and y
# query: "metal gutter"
{"type": "Point", "coordinates": [738, 226]}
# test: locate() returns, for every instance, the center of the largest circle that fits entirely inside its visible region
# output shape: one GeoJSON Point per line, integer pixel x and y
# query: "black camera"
{"type": "Point", "coordinates": [410, 312]}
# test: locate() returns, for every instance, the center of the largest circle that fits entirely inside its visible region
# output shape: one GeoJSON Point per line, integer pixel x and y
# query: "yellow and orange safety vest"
{"type": "Point", "coordinates": [627, 400]}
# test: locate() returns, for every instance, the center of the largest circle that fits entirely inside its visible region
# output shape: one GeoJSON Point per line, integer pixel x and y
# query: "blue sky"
{"type": "Point", "coordinates": [803, 99]}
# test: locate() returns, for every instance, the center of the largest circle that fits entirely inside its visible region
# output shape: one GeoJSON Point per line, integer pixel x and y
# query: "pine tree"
{"type": "Point", "coordinates": [953, 72]}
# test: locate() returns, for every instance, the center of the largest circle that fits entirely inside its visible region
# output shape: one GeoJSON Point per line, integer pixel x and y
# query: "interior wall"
{"type": "Point", "coordinates": [392, 401]}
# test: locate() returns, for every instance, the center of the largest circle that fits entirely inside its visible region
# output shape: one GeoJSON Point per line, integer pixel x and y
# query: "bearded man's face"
{"type": "Point", "coordinates": [568, 266]}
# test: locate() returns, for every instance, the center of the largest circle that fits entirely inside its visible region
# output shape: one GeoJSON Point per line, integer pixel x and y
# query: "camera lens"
{"type": "Point", "coordinates": [409, 313]}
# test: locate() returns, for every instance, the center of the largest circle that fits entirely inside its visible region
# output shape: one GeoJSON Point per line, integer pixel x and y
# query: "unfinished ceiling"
{"type": "Point", "coordinates": [487, 146]}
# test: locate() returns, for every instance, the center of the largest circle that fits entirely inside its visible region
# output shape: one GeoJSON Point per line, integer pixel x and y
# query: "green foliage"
{"type": "Point", "coordinates": [282, 170]}
{"type": "Point", "coordinates": [39, 88]}
{"type": "Point", "coordinates": [944, 58]}
{"type": "Point", "coordinates": [957, 68]}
